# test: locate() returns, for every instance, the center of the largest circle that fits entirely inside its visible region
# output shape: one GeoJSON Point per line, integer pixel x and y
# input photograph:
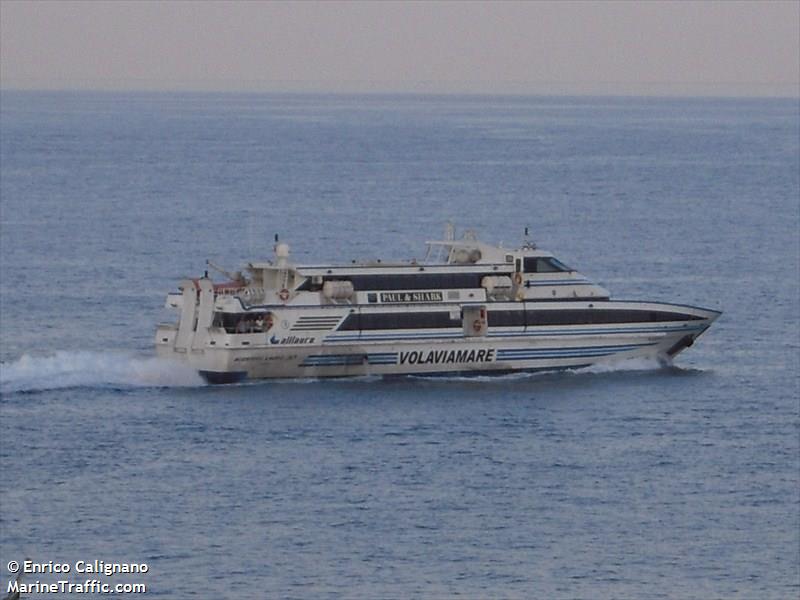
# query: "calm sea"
{"type": "Point", "coordinates": [631, 482]}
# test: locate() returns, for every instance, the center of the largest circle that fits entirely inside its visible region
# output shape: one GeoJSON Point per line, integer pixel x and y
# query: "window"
{"type": "Point", "coordinates": [506, 318]}
{"type": "Point", "coordinates": [240, 322]}
{"type": "Point", "coordinates": [418, 320]}
{"type": "Point", "coordinates": [421, 281]}
{"type": "Point", "coordinates": [600, 316]}
{"type": "Point", "coordinates": [544, 265]}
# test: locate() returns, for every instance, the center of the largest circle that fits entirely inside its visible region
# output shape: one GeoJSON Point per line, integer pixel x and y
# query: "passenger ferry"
{"type": "Point", "coordinates": [468, 308]}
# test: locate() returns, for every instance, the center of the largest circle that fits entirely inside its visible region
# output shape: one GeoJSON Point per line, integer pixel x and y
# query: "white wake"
{"type": "Point", "coordinates": [627, 364]}
{"type": "Point", "coordinates": [616, 366]}
{"type": "Point", "coordinates": [70, 369]}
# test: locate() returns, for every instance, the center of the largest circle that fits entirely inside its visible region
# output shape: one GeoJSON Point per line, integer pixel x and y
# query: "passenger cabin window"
{"type": "Point", "coordinates": [242, 322]}
{"type": "Point", "coordinates": [544, 265]}
{"type": "Point", "coordinates": [397, 320]}
{"type": "Point", "coordinates": [416, 281]}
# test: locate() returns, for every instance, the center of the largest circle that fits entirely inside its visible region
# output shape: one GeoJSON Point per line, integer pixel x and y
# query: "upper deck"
{"type": "Point", "coordinates": [454, 271]}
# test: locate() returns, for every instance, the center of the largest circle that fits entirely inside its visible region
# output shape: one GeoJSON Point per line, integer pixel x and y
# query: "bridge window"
{"type": "Point", "coordinates": [544, 265]}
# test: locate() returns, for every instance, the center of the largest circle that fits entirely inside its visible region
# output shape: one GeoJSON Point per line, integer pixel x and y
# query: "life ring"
{"type": "Point", "coordinates": [477, 325]}
{"type": "Point", "coordinates": [518, 278]}
{"type": "Point", "coordinates": [283, 295]}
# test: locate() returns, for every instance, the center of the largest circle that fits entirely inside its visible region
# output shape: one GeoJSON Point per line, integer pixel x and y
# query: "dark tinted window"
{"type": "Point", "coordinates": [509, 318]}
{"type": "Point", "coordinates": [506, 318]}
{"type": "Point", "coordinates": [544, 265]}
{"type": "Point", "coordinates": [600, 316]}
{"type": "Point", "coordinates": [419, 320]}
{"type": "Point", "coordinates": [422, 281]}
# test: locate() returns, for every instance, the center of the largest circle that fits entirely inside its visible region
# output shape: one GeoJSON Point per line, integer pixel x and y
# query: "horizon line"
{"type": "Point", "coordinates": [313, 91]}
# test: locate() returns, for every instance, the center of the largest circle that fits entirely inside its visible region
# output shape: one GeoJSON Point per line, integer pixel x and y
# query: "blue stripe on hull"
{"type": "Point", "coordinates": [487, 372]}
{"type": "Point", "coordinates": [503, 355]}
{"type": "Point", "coordinates": [534, 351]}
{"type": "Point", "coordinates": [343, 360]}
{"type": "Point", "coordinates": [551, 353]}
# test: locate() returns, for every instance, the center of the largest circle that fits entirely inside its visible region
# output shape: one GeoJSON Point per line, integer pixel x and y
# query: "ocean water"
{"type": "Point", "coordinates": [634, 481]}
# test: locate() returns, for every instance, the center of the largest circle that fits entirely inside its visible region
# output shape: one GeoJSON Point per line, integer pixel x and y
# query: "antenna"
{"type": "Point", "coordinates": [529, 244]}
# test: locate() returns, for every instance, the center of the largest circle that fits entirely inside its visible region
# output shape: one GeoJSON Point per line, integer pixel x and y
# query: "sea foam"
{"type": "Point", "coordinates": [70, 369]}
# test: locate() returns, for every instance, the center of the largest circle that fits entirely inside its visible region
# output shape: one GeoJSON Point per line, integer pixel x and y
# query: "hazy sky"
{"type": "Point", "coordinates": [728, 48]}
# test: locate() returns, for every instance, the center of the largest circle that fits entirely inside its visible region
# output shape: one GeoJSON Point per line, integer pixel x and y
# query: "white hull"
{"type": "Point", "coordinates": [432, 352]}
{"type": "Point", "coordinates": [482, 309]}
